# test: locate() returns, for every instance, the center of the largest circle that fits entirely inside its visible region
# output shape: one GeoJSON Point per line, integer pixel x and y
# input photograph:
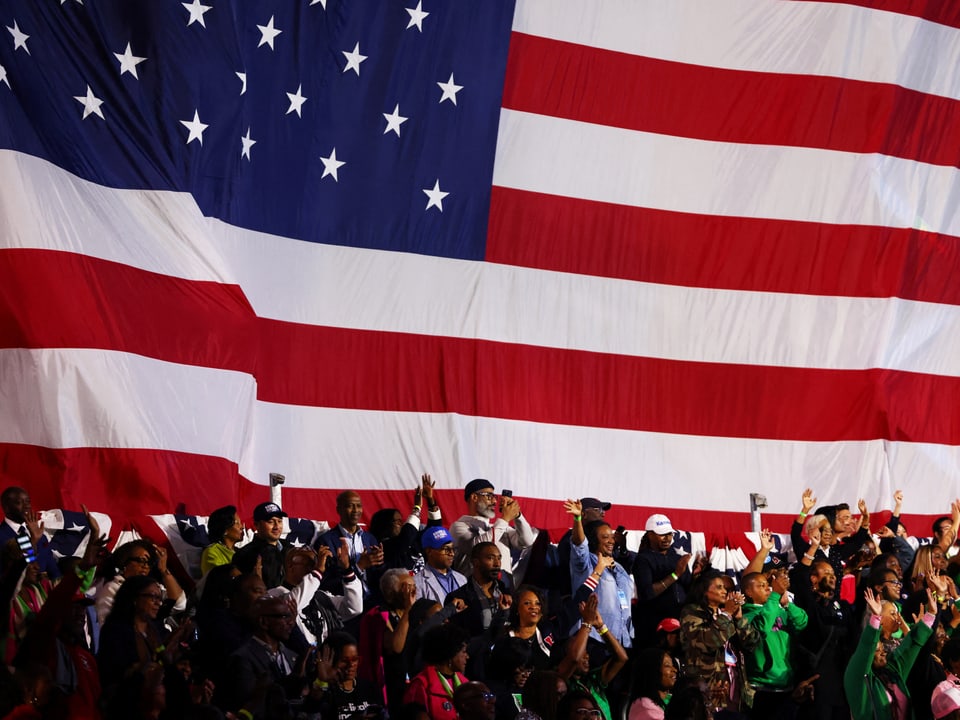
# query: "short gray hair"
{"type": "Point", "coordinates": [390, 582]}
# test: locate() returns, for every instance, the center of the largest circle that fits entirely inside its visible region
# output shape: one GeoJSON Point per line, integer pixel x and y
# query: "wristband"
{"type": "Point", "coordinates": [576, 518]}
{"type": "Point", "coordinates": [674, 576]}
{"type": "Point", "coordinates": [245, 714]}
{"type": "Point", "coordinates": [417, 509]}
{"type": "Point", "coordinates": [802, 515]}
{"type": "Point", "coordinates": [808, 556]}
{"type": "Point", "coordinates": [320, 684]}
{"type": "Point", "coordinates": [603, 630]}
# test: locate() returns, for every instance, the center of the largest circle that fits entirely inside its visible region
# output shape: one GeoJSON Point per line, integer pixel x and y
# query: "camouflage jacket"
{"type": "Point", "coordinates": [705, 636]}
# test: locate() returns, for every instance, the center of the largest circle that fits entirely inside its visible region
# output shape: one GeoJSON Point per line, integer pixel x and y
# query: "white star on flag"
{"type": "Point", "coordinates": [195, 127]}
{"type": "Point", "coordinates": [354, 58]}
{"type": "Point", "coordinates": [79, 2]}
{"type": "Point", "coordinates": [267, 33]}
{"type": "Point", "coordinates": [296, 101]}
{"type": "Point", "coordinates": [243, 79]}
{"type": "Point", "coordinates": [19, 37]}
{"type": "Point", "coordinates": [322, 2]}
{"type": "Point", "coordinates": [128, 61]}
{"type": "Point", "coordinates": [3, 76]}
{"type": "Point", "coordinates": [416, 16]}
{"type": "Point", "coordinates": [247, 143]}
{"type": "Point", "coordinates": [331, 165]}
{"type": "Point", "coordinates": [436, 196]}
{"type": "Point", "coordinates": [196, 10]}
{"type": "Point", "coordinates": [450, 90]}
{"type": "Point", "coordinates": [91, 104]}
{"type": "Point", "coordinates": [394, 121]}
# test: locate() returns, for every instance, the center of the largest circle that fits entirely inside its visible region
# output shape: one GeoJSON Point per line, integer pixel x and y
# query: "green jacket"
{"type": "Point", "coordinates": [768, 665]}
{"type": "Point", "coordinates": [866, 693]}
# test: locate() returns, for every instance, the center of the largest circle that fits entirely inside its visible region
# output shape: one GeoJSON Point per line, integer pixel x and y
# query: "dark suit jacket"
{"type": "Point", "coordinates": [245, 668]}
{"type": "Point", "coordinates": [45, 558]}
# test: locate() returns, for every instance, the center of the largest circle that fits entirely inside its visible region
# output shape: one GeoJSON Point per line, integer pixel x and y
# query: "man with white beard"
{"type": "Point", "coordinates": [480, 524]}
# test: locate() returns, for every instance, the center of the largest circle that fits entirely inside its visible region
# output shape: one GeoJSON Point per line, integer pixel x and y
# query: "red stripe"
{"type": "Point", "coordinates": [593, 238]}
{"type": "Point", "coordinates": [51, 299]}
{"type": "Point", "coordinates": [944, 12]}
{"type": "Point", "coordinates": [71, 301]}
{"type": "Point", "coordinates": [589, 85]}
{"type": "Point", "coordinates": [129, 484]}
{"type": "Point", "coordinates": [416, 373]}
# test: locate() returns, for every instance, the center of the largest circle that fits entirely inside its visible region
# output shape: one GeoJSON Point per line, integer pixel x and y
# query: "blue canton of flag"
{"type": "Point", "coordinates": [66, 540]}
{"type": "Point", "coordinates": [192, 531]}
{"type": "Point", "coordinates": [363, 123]}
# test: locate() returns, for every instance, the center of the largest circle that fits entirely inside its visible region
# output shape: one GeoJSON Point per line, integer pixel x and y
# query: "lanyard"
{"type": "Point", "coordinates": [446, 683]}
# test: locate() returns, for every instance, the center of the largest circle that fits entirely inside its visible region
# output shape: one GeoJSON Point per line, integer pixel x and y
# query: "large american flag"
{"type": "Point", "coordinates": [663, 253]}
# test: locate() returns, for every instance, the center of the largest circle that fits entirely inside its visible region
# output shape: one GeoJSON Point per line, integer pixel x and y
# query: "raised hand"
{"type": "Point", "coordinates": [161, 558]}
{"type": "Point", "coordinates": [897, 501]}
{"type": "Point", "coordinates": [588, 610]}
{"type": "Point", "coordinates": [426, 487]}
{"type": "Point", "coordinates": [573, 507]}
{"type": "Point", "coordinates": [506, 600]}
{"type": "Point", "coordinates": [343, 554]}
{"type": "Point", "coordinates": [682, 564]}
{"type": "Point", "coordinates": [603, 562]}
{"type": "Point", "coordinates": [509, 508]}
{"type": "Point", "coordinates": [734, 604]}
{"type": "Point", "coordinates": [766, 540]}
{"type": "Point", "coordinates": [34, 526]}
{"type": "Point", "coordinates": [373, 555]}
{"type": "Point", "coordinates": [808, 500]}
{"type": "Point", "coordinates": [873, 602]}
{"type": "Point", "coordinates": [459, 604]}
{"type": "Point", "coordinates": [326, 672]}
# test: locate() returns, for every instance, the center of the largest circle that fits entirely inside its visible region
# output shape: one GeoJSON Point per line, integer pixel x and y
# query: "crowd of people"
{"type": "Point", "coordinates": [482, 619]}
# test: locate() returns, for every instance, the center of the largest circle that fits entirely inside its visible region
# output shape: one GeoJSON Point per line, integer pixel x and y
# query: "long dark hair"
{"type": "Point", "coordinates": [124, 607]}
{"type": "Point", "coordinates": [698, 591]}
{"type": "Point", "coordinates": [381, 524]}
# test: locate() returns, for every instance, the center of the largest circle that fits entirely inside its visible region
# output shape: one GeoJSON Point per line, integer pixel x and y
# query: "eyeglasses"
{"type": "Point", "coordinates": [485, 696]}
{"type": "Point", "coordinates": [485, 495]}
{"type": "Point", "coordinates": [155, 597]}
{"type": "Point", "coordinates": [588, 713]}
{"type": "Point", "coordinates": [893, 582]}
{"type": "Point", "coordinates": [139, 560]}
{"type": "Point", "coordinates": [446, 550]}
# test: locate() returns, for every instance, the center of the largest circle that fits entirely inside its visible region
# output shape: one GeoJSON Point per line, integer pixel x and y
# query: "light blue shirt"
{"type": "Point", "coordinates": [614, 592]}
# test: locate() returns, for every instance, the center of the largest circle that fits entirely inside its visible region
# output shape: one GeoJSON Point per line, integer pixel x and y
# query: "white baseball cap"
{"type": "Point", "coordinates": [659, 524]}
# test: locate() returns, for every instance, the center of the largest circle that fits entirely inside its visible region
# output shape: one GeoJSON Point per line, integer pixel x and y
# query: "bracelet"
{"type": "Point", "coordinates": [320, 684]}
{"type": "Point", "coordinates": [417, 509]}
{"type": "Point", "coordinates": [245, 714]}
{"type": "Point", "coordinates": [576, 518]}
{"type": "Point", "coordinates": [808, 556]}
{"type": "Point", "coordinates": [674, 576]}
{"type": "Point", "coordinates": [802, 515]}
{"type": "Point", "coordinates": [595, 574]}
{"type": "Point", "coordinates": [603, 630]}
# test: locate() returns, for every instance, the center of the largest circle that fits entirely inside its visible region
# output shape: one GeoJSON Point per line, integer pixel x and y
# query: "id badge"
{"type": "Point", "coordinates": [624, 603]}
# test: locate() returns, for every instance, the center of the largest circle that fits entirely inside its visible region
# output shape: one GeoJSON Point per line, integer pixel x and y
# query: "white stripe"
{"type": "Point", "coordinates": [97, 398]}
{"type": "Point", "coordinates": [93, 398]}
{"type": "Point", "coordinates": [558, 461]}
{"type": "Point", "coordinates": [643, 169]}
{"type": "Point", "coordinates": [803, 38]}
{"type": "Point", "coordinates": [400, 292]}
{"type": "Point", "coordinates": [155, 230]}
